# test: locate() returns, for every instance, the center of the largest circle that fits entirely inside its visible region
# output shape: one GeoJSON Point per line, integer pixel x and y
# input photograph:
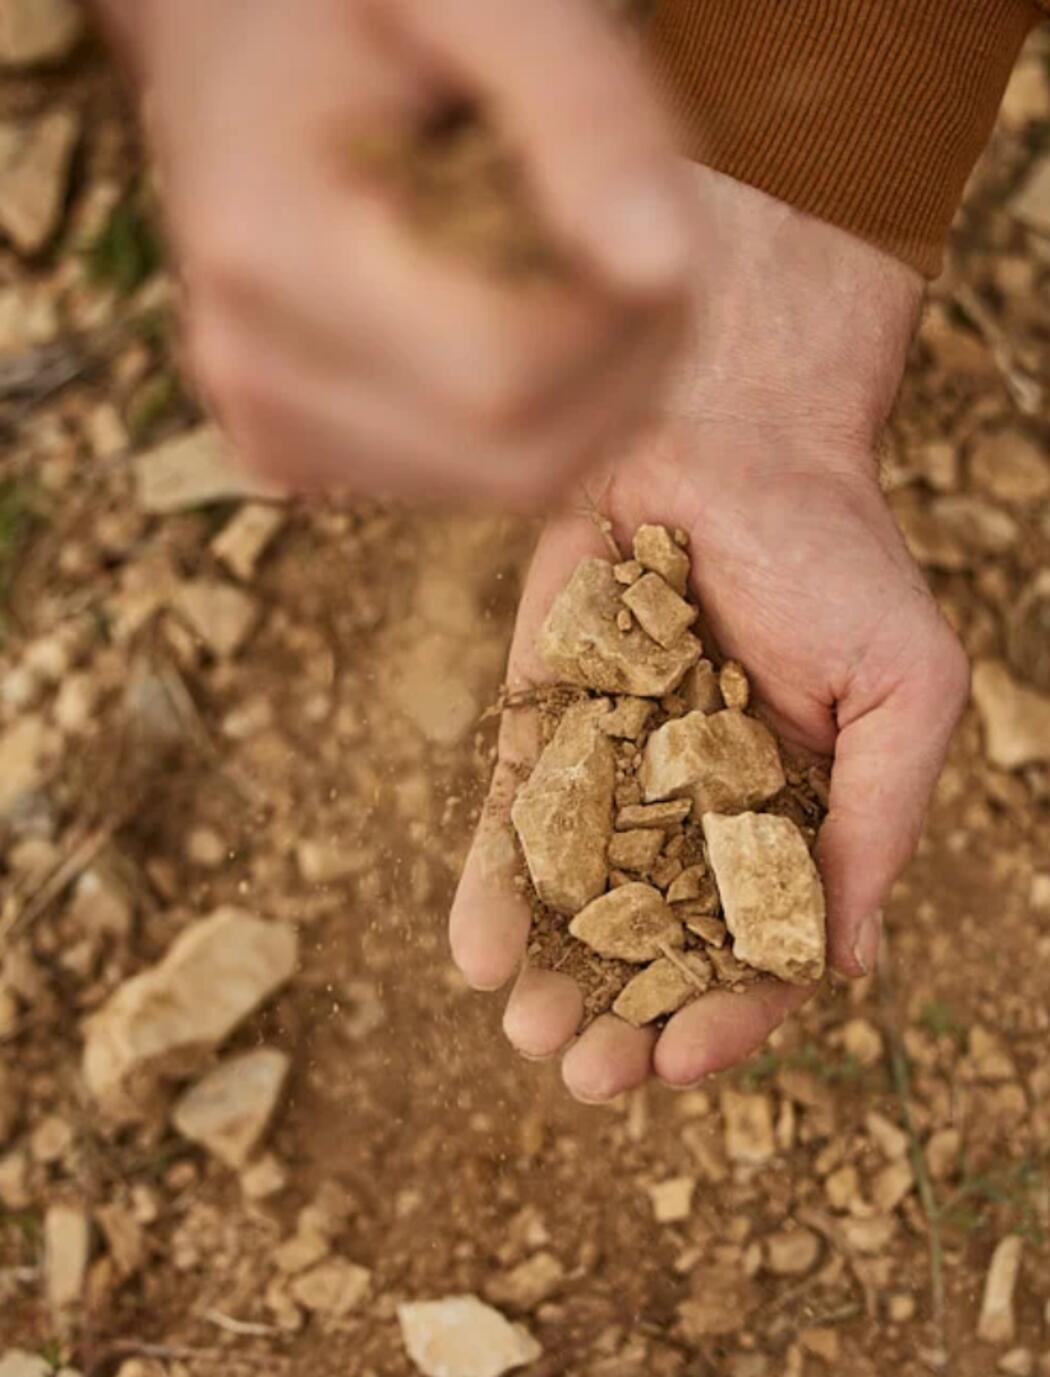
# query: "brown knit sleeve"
{"type": "Point", "coordinates": [866, 113]}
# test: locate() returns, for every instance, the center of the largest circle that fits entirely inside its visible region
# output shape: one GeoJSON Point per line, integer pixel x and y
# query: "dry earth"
{"type": "Point", "coordinates": [210, 701]}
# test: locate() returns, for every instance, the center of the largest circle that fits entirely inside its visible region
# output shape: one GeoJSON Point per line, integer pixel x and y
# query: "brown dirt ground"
{"type": "Point", "coordinates": [458, 1158]}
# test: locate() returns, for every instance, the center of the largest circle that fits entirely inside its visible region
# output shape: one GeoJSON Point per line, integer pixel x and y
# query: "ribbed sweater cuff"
{"type": "Point", "coordinates": [866, 113]}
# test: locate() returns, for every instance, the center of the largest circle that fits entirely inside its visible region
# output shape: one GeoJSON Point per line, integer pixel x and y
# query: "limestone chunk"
{"type": "Point", "coordinates": [529, 1284]}
{"type": "Point", "coordinates": [461, 1336]}
{"type": "Point", "coordinates": [194, 469]}
{"type": "Point", "coordinates": [704, 925]}
{"type": "Point", "coordinates": [222, 615]}
{"type": "Point", "coordinates": [725, 762]}
{"type": "Point", "coordinates": [33, 31]}
{"type": "Point", "coordinates": [1016, 720]}
{"type": "Point", "coordinates": [659, 610]}
{"type": "Point", "coordinates": [563, 813]}
{"type": "Point", "coordinates": [241, 542]}
{"type": "Point", "coordinates": [771, 894]}
{"type": "Point", "coordinates": [635, 850]}
{"type": "Point", "coordinates": [333, 1289]}
{"type": "Point", "coordinates": [169, 1017]}
{"type": "Point", "coordinates": [34, 171]}
{"type": "Point", "coordinates": [631, 923]}
{"type": "Point", "coordinates": [672, 1200]}
{"type": "Point", "coordinates": [628, 718]}
{"type": "Point", "coordinates": [661, 815]}
{"type": "Point", "coordinates": [67, 1247]}
{"type": "Point", "coordinates": [692, 884]}
{"type": "Point", "coordinates": [581, 643]}
{"type": "Point", "coordinates": [230, 1108]}
{"type": "Point", "coordinates": [734, 684]}
{"type": "Point", "coordinates": [749, 1136]}
{"type": "Point", "coordinates": [655, 549]}
{"type": "Point", "coordinates": [701, 690]}
{"type": "Point", "coordinates": [997, 1323]}
{"type": "Point", "coordinates": [628, 571]}
{"type": "Point", "coordinates": [662, 988]}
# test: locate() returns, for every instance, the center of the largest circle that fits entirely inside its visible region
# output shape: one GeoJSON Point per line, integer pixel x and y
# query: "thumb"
{"type": "Point", "coordinates": [887, 761]}
{"type": "Point", "coordinates": [569, 93]}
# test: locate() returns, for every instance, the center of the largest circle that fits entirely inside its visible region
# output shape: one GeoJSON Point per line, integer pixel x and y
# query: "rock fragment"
{"type": "Point", "coordinates": [692, 885]}
{"type": "Point", "coordinates": [724, 762]}
{"type": "Point", "coordinates": [229, 1110]}
{"type": "Point", "coordinates": [16, 1362]}
{"type": "Point", "coordinates": [333, 1289]}
{"type": "Point", "coordinates": [734, 685]}
{"type": "Point", "coordinates": [581, 643]}
{"type": "Point", "coordinates": [461, 1336]}
{"type": "Point", "coordinates": [529, 1284]}
{"type": "Point", "coordinates": [1031, 205]}
{"type": "Point", "coordinates": [67, 1247]}
{"type": "Point", "coordinates": [672, 1200]}
{"type": "Point", "coordinates": [997, 1323]}
{"type": "Point", "coordinates": [658, 815]}
{"type": "Point", "coordinates": [1016, 719]}
{"type": "Point", "coordinates": [663, 988]}
{"type": "Point", "coordinates": [563, 813]}
{"type": "Point", "coordinates": [1010, 466]}
{"type": "Point", "coordinates": [792, 1252]}
{"type": "Point", "coordinates": [635, 850]}
{"type": "Point", "coordinates": [655, 549]}
{"type": "Point", "coordinates": [242, 541]}
{"type": "Point", "coordinates": [659, 610]}
{"type": "Point", "coordinates": [35, 31]}
{"type": "Point", "coordinates": [771, 894]}
{"type": "Point", "coordinates": [701, 690]}
{"type": "Point", "coordinates": [632, 923]}
{"type": "Point", "coordinates": [628, 718]}
{"type": "Point", "coordinates": [34, 172]}
{"type": "Point", "coordinates": [749, 1135]}
{"type": "Point", "coordinates": [166, 1019]}
{"type": "Point", "coordinates": [222, 615]}
{"type": "Point", "coordinates": [192, 470]}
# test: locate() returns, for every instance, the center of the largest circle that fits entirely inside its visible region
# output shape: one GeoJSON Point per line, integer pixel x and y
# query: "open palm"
{"type": "Point", "coordinates": [802, 576]}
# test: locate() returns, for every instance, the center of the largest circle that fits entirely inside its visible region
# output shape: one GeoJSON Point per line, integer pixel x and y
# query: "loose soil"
{"type": "Point", "coordinates": [801, 1216]}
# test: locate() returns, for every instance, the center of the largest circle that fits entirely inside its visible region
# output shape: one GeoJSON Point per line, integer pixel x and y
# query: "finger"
{"type": "Point", "coordinates": [570, 94]}
{"type": "Point", "coordinates": [490, 918]}
{"type": "Point", "coordinates": [609, 1058]}
{"type": "Point", "coordinates": [721, 1029]}
{"type": "Point", "coordinates": [887, 762]}
{"type": "Point", "coordinates": [543, 1013]}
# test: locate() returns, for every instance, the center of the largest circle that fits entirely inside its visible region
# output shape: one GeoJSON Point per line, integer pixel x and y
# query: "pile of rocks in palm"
{"type": "Point", "coordinates": [667, 848]}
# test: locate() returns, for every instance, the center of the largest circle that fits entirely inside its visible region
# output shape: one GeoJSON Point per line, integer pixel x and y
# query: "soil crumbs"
{"type": "Point", "coordinates": [214, 717]}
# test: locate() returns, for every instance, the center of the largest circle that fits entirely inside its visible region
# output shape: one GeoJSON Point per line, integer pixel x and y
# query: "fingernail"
{"type": "Point", "coordinates": [645, 236]}
{"type": "Point", "coordinates": [866, 947]}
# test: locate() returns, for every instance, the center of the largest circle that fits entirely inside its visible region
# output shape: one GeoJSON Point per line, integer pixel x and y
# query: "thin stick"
{"type": "Point", "coordinates": [243, 1328]}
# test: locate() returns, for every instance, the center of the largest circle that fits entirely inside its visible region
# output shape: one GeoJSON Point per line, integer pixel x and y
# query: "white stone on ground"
{"type": "Point", "coordinates": [461, 1336]}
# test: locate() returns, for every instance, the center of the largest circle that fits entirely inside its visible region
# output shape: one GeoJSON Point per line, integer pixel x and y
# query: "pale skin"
{"type": "Point", "coordinates": [338, 350]}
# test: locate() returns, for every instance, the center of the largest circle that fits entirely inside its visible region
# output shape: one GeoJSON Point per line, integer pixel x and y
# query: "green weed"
{"type": "Point", "coordinates": [128, 248]}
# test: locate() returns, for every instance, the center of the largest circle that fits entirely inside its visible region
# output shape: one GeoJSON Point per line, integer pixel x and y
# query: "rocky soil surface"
{"type": "Point", "coordinates": [652, 876]}
{"type": "Point", "coordinates": [250, 1117]}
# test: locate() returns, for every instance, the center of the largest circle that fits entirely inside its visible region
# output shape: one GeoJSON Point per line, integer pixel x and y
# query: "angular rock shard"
{"type": "Point", "coordinates": [1016, 719]}
{"type": "Point", "coordinates": [663, 987]}
{"type": "Point", "coordinates": [632, 923]}
{"type": "Point", "coordinates": [563, 813]}
{"type": "Point", "coordinates": [34, 31]}
{"type": "Point", "coordinates": [635, 850]}
{"type": "Point", "coordinates": [192, 470]}
{"type": "Point", "coordinates": [725, 762]}
{"type": "Point", "coordinates": [771, 894]}
{"type": "Point", "coordinates": [166, 1020]}
{"type": "Point", "coordinates": [663, 816]}
{"type": "Point", "coordinates": [34, 172]}
{"type": "Point", "coordinates": [461, 1336]}
{"type": "Point", "coordinates": [230, 1108]}
{"type": "Point", "coordinates": [655, 549]}
{"type": "Point", "coordinates": [659, 610]}
{"type": "Point", "coordinates": [581, 643]}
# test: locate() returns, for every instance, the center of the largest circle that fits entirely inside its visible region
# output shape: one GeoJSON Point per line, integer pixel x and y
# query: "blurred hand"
{"type": "Point", "coordinates": [802, 575]}
{"type": "Point", "coordinates": [335, 345]}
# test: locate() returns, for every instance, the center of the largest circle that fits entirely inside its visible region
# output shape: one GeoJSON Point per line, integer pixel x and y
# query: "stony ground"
{"type": "Point", "coordinates": [211, 703]}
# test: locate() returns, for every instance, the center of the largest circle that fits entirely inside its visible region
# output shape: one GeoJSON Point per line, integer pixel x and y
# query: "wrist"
{"type": "Point", "coordinates": [801, 329]}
